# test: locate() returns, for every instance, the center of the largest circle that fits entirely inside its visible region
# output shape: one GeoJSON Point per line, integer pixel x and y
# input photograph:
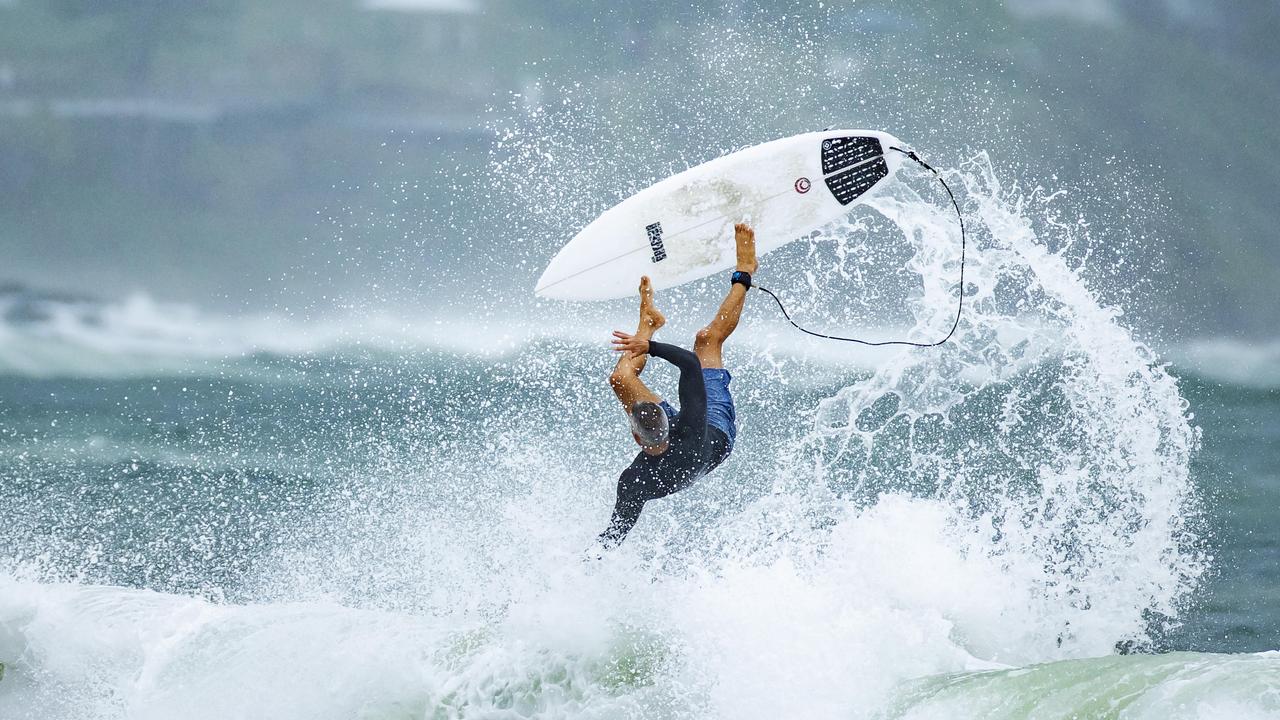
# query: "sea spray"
{"type": "Point", "coordinates": [1018, 496]}
{"type": "Point", "coordinates": [1053, 443]}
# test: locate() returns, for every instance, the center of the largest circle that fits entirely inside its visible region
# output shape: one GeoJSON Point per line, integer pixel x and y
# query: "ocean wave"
{"type": "Point", "coordinates": [1129, 687]}
{"type": "Point", "coordinates": [47, 335]}
{"type": "Point", "coordinates": [104, 653]}
{"type": "Point", "coordinates": [1246, 364]}
{"type": "Point", "coordinates": [51, 335]}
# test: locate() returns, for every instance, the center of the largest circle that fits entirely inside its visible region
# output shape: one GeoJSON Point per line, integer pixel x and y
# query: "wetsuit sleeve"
{"type": "Point", "coordinates": [626, 511]}
{"type": "Point", "coordinates": [693, 389]}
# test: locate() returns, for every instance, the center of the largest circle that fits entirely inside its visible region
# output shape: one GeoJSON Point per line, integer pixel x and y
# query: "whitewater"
{"type": "Point", "coordinates": [1006, 527]}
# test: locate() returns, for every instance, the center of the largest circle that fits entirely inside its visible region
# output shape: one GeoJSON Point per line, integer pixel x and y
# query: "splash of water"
{"type": "Point", "coordinates": [1027, 487]}
{"type": "Point", "coordinates": [1020, 496]}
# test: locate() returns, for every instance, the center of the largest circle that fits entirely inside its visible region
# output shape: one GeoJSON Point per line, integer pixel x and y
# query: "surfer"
{"type": "Point", "coordinates": [677, 446]}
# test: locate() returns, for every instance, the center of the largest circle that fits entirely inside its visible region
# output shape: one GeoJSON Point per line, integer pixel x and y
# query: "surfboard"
{"type": "Point", "coordinates": [681, 229]}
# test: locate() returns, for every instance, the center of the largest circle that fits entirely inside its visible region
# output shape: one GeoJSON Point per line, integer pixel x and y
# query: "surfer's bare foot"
{"type": "Point", "coordinates": [745, 239]}
{"type": "Point", "coordinates": [650, 318]}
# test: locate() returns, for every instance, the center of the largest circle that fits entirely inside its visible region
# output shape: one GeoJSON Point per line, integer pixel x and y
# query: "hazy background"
{"type": "Point", "coordinates": [240, 155]}
{"type": "Point", "coordinates": [268, 338]}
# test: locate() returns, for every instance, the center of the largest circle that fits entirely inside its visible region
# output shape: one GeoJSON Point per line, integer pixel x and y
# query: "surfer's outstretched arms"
{"type": "Point", "coordinates": [676, 447]}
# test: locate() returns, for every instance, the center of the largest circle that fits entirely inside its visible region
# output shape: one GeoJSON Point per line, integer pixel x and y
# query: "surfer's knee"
{"type": "Point", "coordinates": [621, 375]}
{"type": "Point", "coordinates": [706, 337]}
{"type": "Point", "coordinates": [707, 345]}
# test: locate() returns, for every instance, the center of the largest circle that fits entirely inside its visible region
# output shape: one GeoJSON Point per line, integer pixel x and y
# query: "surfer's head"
{"type": "Point", "coordinates": [649, 424]}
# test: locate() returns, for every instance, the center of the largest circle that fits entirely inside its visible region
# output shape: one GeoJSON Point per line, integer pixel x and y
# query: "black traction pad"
{"type": "Point", "coordinates": [851, 184]}
{"type": "Point", "coordinates": [840, 153]}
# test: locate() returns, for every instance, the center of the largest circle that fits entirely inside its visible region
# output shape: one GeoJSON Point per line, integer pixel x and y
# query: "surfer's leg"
{"type": "Point", "coordinates": [708, 342]}
{"type": "Point", "coordinates": [721, 413]}
{"type": "Point", "coordinates": [628, 387]}
{"type": "Point", "coordinates": [625, 379]}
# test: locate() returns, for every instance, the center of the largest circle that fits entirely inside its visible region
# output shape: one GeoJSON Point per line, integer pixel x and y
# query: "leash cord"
{"type": "Point", "coordinates": [959, 306]}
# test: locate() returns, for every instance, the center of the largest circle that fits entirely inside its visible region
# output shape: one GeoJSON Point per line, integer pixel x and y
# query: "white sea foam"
{"type": "Point", "coordinates": [829, 633]}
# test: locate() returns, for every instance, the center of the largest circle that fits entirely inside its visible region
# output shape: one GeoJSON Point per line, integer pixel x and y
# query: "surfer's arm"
{"type": "Point", "coordinates": [626, 511]}
{"type": "Point", "coordinates": [693, 389]}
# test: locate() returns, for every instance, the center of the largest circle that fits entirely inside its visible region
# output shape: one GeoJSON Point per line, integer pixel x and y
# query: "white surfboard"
{"type": "Point", "coordinates": [681, 229]}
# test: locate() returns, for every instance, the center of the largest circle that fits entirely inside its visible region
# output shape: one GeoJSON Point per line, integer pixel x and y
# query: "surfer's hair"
{"type": "Point", "coordinates": [649, 423]}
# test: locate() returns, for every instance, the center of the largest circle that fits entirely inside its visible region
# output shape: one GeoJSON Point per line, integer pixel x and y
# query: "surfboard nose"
{"type": "Point", "coordinates": [545, 288]}
{"type": "Point", "coordinates": [578, 262]}
{"type": "Point", "coordinates": [554, 284]}
{"type": "Point", "coordinates": [548, 280]}
{"type": "Point", "coordinates": [552, 287]}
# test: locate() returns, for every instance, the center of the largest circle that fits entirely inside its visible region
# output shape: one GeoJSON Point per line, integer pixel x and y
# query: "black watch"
{"type": "Point", "coordinates": [742, 278]}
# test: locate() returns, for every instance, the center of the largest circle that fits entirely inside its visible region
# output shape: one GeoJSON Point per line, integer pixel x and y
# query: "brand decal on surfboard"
{"type": "Point", "coordinates": [803, 185]}
{"type": "Point", "coordinates": [655, 241]}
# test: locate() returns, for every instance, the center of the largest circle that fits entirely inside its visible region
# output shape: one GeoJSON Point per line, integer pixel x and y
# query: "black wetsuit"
{"type": "Point", "coordinates": [694, 449]}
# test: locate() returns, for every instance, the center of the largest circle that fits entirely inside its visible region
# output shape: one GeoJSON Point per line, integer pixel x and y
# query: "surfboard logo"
{"type": "Point", "coordinates": [803, 185]}
{"type": "Point", "coordinates": [655, 241]}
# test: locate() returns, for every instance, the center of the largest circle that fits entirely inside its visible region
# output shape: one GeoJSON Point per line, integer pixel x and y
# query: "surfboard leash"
{"type": "Point", "coordinates": [959, 306]}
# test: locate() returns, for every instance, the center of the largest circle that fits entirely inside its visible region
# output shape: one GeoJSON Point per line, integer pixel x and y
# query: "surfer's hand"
{"type": "Point", "coordinates": [745, 239]}
{"type": "Point", "coordinates": [630, 344]}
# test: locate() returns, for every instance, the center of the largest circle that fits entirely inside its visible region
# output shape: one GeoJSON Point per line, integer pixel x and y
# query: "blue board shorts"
{"type": "Point", "coordinates": [720, 412]}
